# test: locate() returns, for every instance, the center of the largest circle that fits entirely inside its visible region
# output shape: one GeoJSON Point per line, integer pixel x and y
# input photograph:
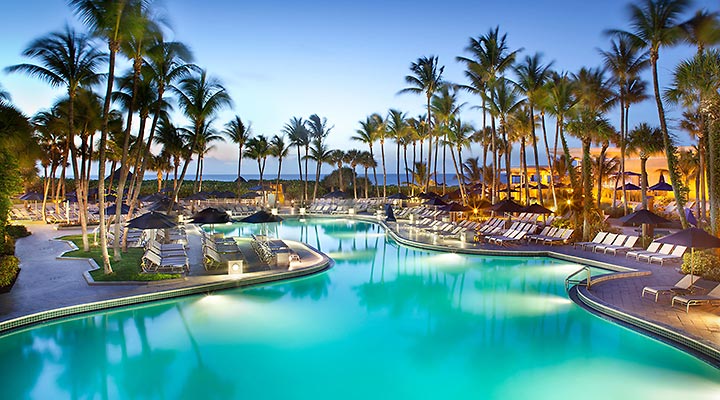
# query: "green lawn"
{"type": "Point", "coordinates": [127, 269]}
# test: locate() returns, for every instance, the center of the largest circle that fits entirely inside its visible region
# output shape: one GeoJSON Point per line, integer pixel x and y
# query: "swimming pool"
{"type": "Point", "coordinates": [386, 321]}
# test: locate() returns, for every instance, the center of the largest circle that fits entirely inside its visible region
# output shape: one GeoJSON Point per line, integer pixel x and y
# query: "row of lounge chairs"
{"type": "Point", "coordinates": [445, 230]}
{"type": "Point", "coordinates": [606, 242]}
{"type": "Point", "coordinates": [166, 257]}
{"type": "Point", "coordinates": [683, 293]}
{"type": "Point", "coordinates": [218, 250]}
{"type": "Point", "coordinates": [274, 252]}
{"type": "Point", "coordinates": [532, 217]}
{"type": "Point", "coordinates": [658, 252]}
{"type": "Point", "coordinates": [551, 235]}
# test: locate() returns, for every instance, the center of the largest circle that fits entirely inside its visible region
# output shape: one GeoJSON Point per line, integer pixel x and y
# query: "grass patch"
{"type": "Point", "coordinates": [127, 269]}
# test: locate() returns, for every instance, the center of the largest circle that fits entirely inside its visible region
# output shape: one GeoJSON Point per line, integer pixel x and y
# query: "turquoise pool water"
{"type": "Point", "coordinates": [387, 321]}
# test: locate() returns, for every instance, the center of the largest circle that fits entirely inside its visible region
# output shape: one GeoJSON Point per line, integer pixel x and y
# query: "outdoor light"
{"type": "Point", "coordinates": [235, 267]}
{"type": "Point", "coordinates": [569, 201]}
{"type": "Point", "coordinates": [475, 210]}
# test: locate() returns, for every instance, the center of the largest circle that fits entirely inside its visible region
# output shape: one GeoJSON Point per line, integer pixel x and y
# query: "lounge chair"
{"type": "Point", "coordinates": [619, 240]}
{"type": "Point", "coordinates": [682, 287]}
{"type": "Point", "coordinates": [676, 255]}
{"type": "Point", "coordinates": [652, 248]}
{"type": "Point", "coordinates": [599, 237]}
{"type": "Point", "coordinates": [627, 246]}
{"type": "Point", "coordinates": [664, 249]}
{"type": "Point", "coordinates": [692, 300]}
{"type": "Point", "coordinates": [608, 240]}
{"type": "Point", "coordinates": [561, 237]}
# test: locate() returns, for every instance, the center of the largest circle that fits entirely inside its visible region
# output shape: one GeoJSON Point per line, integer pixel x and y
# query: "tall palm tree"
{"type": "Point", "coordinates": [165, 63]}
{"type": "Point", "coordinates": [655, 24]}
{"type": "Point", "coordinates": [66, 59]}
{"type": "Point", "coordinates": [367, 161]}
{"type": "Point", "coordinates": [204, 145]}
{"type": "Point", "coordinates": [299, 137]}
{"type": "Point", "coordinates": [368, 134]}
{"type": "Point", "coordinates": [458, 137]}
{"type": "Point", "coordinates": [279, 149]}
{"type": "Point", "coordinates": [258, 149]}
{"type": "Point", "coordinates": [645, 141]}
{"type": "Point", "coordinates": [199, 98]}
{"type": "Point", "coordinates": [695, 85]}
{"type": "Point", "coordinates": [426, 79]}
{"type": "Point", "coordinates": [173, 145]}
{"type": "Point", "coordinates": [398, 129]}
{"type": "Point", "coordinates": [337, 158]}
{"type": "Point", "coordinates": [319, 153]}
{"type": "Point", "coordinates": [318, 130]}
{"type": "Point", "coordinates": [702, 30]}
{"type": "Point", "coordinates": [561, 98]}
{"type": "Point", "coordinates": [532, 75]}
{"type": "Point", "coordinates": [112, 21]}
{"type": "Point", "coordinates": [445, 108]}
{"type": "Point", "coordinates": [352, 157]}
{"type": "Point", "coordinates": [624, 62]}
{"type": "Point", "coordinates": [504, 100]}
{"type": "Point", "coordinates": [238, 133]}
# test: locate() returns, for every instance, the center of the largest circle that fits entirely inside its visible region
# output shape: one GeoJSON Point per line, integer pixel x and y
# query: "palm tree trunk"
{"type": "Point", "coordinates": [643, 181]}
{"type": "Point", "coordinates": [300, 171]}
{"type": "Point", "coordinates": [622, 154]}
{"type": "Point", "coordinates": [407, 173]}
{"type": "Point", "coordinates": [354, 176]}
{"type": "Point", "coordinates": [317, 179]}
{"type": "Point", "coordinates": [508, 172]}
{"type": "Point", "coordinates": [669, 145]}
{"type": "Point", "coordinates": [239, 184]}
{"type": "Point", "coordinates": [382, 155]}
{"type": "Point", "coordinates": [277, 181]}
{"type": "Point", "coordinates": [377, 187]}
{"type": "Point", "coordinates": [307, 149]}
{"type": "Point", "coordinates": [714, 174]}
{"type": "Point", "coordinates": [113, 47]}
{"type": "Point", "coordinates": [601, 164]}
{"type": "Point", "coordinates": [587, 188]}
{"type": "Point", "coordinates": [429, 128]}
{"type": "Point", "coordinates": [523, 160]}
{"type": "Point", "coordinates": [366, 182]}
{"type": "Point", "coordinates": [537, 157]}
{"type": "Point", "coordinates": [444, 160]}
{"type": "Point", "coordinates": [398, 165]}
{"type": "Point", "coordinates": [550, 160]}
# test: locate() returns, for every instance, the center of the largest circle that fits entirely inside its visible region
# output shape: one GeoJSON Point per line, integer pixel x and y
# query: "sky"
{"type": "Point", "coordinates": [343, 60]}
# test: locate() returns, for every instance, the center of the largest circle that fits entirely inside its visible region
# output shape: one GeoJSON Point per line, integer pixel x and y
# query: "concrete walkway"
{"type": "Point", "coordinates": [46, 282]}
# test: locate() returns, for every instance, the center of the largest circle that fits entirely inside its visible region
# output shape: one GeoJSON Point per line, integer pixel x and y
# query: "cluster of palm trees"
{"type": "Point", "coordinates": [514, 93]}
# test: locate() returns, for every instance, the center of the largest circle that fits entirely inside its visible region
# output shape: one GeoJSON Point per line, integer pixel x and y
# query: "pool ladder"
{"type": "Point", "coordinates": [575, 280]}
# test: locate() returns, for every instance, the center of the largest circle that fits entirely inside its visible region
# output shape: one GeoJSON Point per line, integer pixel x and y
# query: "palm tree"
{"type": "Point", "coordinates": [445, 109]}
{"type": "Point", "coordinates": [655, 25]}
{"type": "Point", "coordinates": [317, 130]}
{"type": "Point", "coordinates": [337, 158]}
{"type": "Point", "coordinates": [258, 149]}
{"type": "Point", "coordinates": [207, 136]}
{"type": "Point", "coordinates": [238, 133]}
{"type": "Point", "coordinates": [165, 63]}
{"type": "Point", "coordinates": [299, 137]}
{"type": "Point", "coordinates": [199, 98]}
{"type": "Point", "coordinates": [645, 141]}
{"type": "Point", "coordinates": [426, 79]}
{"type": "Point", "coordinates": [532, 75]}
{"type": "Point", "coordinates": [67, 59]}
{"type": "Point", "coordinates": [695, 85]}
{"type": "Point", "coordinates": [173, 145]}
{"type": "Point", "coordinates": [504, 100]}
{"type": "Point", "coordinates": [702, 30]}
{"type": "Point", "coordinates": [319, 153]}
{"type": "Point", "coordinates": [352, 157]}
{"type": "Point", "coordinates": [368, 134]}
{"type": "Point", "coordinates": [279, 149]}
{"type": "Point", "coordinates": [458, 137]}
{"type": "Point", "coordinates": [367, 161]}
{"type": "Point", "coordinates": [559, 101]}
{"type": "Point", "coordinates": [111, 20]}
{"type": "Point", "coordinates": [398, 129]}
{"type": "Point", "coordinates": [625, 63]}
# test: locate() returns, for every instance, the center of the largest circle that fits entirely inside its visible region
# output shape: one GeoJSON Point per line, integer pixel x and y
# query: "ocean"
{"type": "Point", "coordinates": [392, 179]}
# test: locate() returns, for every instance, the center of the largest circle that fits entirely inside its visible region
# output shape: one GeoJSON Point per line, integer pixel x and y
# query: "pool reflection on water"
{"type": "Point", "coordinates": [386, 321]}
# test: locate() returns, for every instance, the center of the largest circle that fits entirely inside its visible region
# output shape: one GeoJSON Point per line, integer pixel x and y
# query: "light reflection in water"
{"type": "Point", "coordinates": [494, 327]}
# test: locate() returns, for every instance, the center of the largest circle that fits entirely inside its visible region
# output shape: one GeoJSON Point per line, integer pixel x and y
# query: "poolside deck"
{"type": "Point", "coordinates": [47, 283]}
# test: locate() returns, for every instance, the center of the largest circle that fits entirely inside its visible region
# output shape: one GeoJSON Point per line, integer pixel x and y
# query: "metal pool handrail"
{"type": "Point", "coordinates": [569, 280]}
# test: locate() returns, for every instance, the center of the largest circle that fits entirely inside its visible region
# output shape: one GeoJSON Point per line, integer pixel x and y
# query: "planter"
{"type": "Point", "coordinates": [6, 289]}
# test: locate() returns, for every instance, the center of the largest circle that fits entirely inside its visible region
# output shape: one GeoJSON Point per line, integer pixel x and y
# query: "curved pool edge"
{"type": "Point", "coordinates": [697, 348]}
{"type": "Point", "coordinates": [31, 320]}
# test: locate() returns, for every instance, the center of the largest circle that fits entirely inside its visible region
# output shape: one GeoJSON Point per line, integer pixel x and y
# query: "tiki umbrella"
{"type": "Point", "coordinates": [629, 186]}
{"type": "Point", "coordinates": [507, 206]}
{"type": "Point", "coordinates": [152, 220]}
{"type": "Point", "coordinates": [163, 204]}
{"type": "Point", "coordinates": [435, 201]}
{"type": "Point", "coordinates": [661, 186]}
{"type": "Point", "coordinates": [31, 196]}
{"type": "Point", "coordinates": [197, 196]}
{"type": "Point", "coordinates": [398, 196]}
{"type": "Point", "coordinates": [537, 209]}
{"type": "Point", "coordinates": [261, 217]}
{"type": "Point", "coordinates": [337, 194]}
{"type": "Point", "coordinates": [112, 209]}
{"type": "Point", "coordinates": [694, 238]}
{"type": "Point", "coordinates": [211, 215]}
{"type": "Point", "coordinates": [645, 218]}
{"type": "Point", "coordinates": [456, 207]}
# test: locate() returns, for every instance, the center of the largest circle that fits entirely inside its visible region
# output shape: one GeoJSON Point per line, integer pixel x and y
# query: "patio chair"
{"type": "Point", "coordinates": [627, 246]}
{"type": "Point", "coordinates": [676, 255]}
{"type": "Point", "coordinates": [560, 237]}
{"type": "Point", "coordinates": [619, 240]}
{"type": "Point", "coordinates": [680, 288]}
{"type": "Point", "coordinates": [608, 240]}
{"type": "Point", "coordinates": [152, 262]}
{"type": "Point", "coordinates": [692, 300]}
{"type": "Point", "coordinates": [652, 248]}
{"type": "Point", "coordinates": [664, 250]}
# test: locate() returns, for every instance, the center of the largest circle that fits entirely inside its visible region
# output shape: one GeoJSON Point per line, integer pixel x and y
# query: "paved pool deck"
{"type": "Point", "coordinates": [47, 282]}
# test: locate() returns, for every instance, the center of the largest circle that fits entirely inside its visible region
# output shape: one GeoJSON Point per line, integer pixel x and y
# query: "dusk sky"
{"type": "Point", "coordinates": [342, 60]}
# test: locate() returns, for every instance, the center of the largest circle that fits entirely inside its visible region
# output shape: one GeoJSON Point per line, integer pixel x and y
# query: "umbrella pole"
{"type": "Point", "coordinates": [692, 266]}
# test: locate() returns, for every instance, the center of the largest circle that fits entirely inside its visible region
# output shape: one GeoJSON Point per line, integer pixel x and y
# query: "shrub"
{"type": "Point", "coordinates": [706, 264]}
{"type": "Point", "coordinates": [7, 248]}
{"type": "Point", "coordinates": [17, 231]}
{"type": "Point", "coordinates": [9, 268]}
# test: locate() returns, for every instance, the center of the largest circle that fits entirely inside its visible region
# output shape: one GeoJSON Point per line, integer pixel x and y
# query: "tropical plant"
{"type": "Point", "coordinates": [238, 133]}
{"type": "Point", "coordinates": [368, 134]}
{"type": "Point", "coordinates": [258, 149]}
{"type": "Point", "coordinates": [279, 149]}
{"type": "Point", "coordinates": [319, 153]}
{"type": "Point", "coordinates": [297, 133]}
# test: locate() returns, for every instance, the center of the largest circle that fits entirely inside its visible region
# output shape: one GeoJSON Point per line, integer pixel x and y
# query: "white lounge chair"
{"type": "Point", "coordinates": [691, 300]}
{"type": "Point", "coordinates": [680, 288]}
